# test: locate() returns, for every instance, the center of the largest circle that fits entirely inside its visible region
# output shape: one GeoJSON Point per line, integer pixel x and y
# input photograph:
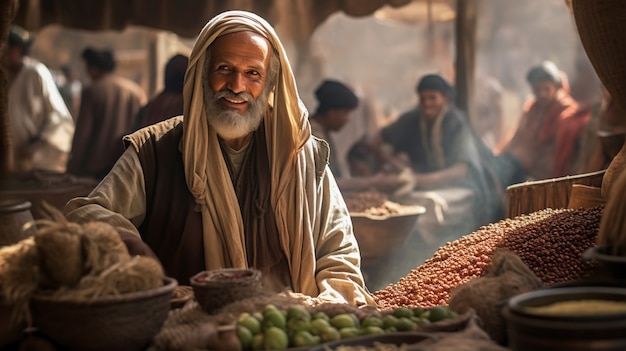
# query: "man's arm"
{"type": "Point", "coordinates": [119, 200]}
{"type": "Point", "coordinates": [338, 259]}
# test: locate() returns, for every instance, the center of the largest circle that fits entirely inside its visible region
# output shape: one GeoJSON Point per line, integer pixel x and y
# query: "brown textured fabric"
{"type": "Point", "coordinates": [261, 233]}
{"type": "Point", "coordinates": [171, 228]}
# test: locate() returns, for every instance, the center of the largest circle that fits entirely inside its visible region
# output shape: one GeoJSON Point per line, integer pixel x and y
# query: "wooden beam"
{"type": "Point", "coordinates": [465, 30]}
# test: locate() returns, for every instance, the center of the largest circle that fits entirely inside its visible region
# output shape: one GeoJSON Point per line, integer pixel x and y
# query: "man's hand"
{"type": "Point", "coordinates": [136, 246]}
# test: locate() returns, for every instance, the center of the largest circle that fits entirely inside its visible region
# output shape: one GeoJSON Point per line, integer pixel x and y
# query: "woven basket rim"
{"type": "Point", "coordinates": [254, 274]}
{"type": "Point", "coordinates": [169, 284]}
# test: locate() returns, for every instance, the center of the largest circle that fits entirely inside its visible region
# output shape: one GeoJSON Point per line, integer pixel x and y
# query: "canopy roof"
{"type": "Point", "coordinates": [187, 17]}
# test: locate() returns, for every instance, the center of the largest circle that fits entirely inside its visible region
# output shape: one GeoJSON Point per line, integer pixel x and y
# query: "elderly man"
{"type": "Point", "coordinates": [238, 180]}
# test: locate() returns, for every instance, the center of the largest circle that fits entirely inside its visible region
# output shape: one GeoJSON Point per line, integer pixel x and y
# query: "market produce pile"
{"type": "Point", "coordinates": [288, 320]}
{"type": "Point", "coordinates": [550, 242]}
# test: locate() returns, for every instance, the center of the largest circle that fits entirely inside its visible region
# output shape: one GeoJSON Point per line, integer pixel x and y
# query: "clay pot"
{"type": "Point", "coordinates": [16, 222]}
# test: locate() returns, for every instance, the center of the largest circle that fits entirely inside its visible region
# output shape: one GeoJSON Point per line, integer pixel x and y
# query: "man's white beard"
{"type": "Point", "coordinates": [231, 124]}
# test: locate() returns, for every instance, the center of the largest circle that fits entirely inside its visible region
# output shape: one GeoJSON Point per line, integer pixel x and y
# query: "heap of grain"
{"type": "Point", "coordinates": [550, 242]}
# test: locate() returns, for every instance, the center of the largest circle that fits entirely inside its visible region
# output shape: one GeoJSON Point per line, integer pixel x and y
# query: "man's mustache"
{"type": "Point", "coordinates": [227, 93]}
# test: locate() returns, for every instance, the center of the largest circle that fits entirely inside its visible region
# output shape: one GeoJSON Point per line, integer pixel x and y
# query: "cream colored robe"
{"type": "Point", "coordinates": [37, 112]}
{"type": "Point", "coordinates": [314, 224]}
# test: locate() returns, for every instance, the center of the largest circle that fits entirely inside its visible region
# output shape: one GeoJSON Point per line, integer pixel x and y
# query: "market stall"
{"type": "Point", "coordinates": [471, 294]}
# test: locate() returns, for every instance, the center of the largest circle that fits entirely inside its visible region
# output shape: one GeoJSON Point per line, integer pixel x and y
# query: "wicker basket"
{"type": "Point", "coordinates": [124, 322]}
{"type": "Point", "coordinates": [218, 288]}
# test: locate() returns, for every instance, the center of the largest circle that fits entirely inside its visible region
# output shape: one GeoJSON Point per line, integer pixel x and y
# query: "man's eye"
{"type": "Point", "coordinates": [253, 73]}
{"type": "Point", "coordinates": [223, 68]}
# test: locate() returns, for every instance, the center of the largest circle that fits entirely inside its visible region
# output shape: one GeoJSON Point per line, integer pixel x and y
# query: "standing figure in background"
{"type": "Point", "coordinates": [41, 127]}
{"type": "Point", "coordinates": [169, 102]}
{"type": "Point", "coordinates": [546, 142]}
{"type": "Point", "coordinates": [71, 88]}
{"type": "Point", "coordinates": [107, 112]}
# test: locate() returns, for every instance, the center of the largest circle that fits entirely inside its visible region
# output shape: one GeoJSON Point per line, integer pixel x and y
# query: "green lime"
{"type": "Point", "coordinates": [318, 325]}
{"type": "Point", "coordinates": [403, 312]}
{"type": "Point", "coordinates": [258, 342]}
{"type": "Point", "coordinates": [344, 320]}
{"type": "Point", "coordinates": [321, 315]}
{"type": "Point", "coordinates": [275, 339]}
{"type": "Point", "coordinates": [274, 318]}
{"type": "Point", "coordinates": [371, 330]}
{"type": "Point", "coordinates": [298, 312]}
{"type": "Point", "coordinates": [350, 332]}
{"type": "Point", "coordinates": [250, 322]}
{"type": "Point", "coordinates": [418, 310]}
{"type": "Point", "coordinates": [389, 321]}
{"type": "Point", "coordinates": [298, 324]}
{"type": "Point", "coordinates": [405, 324]}
{"type": "Point", "coordinates": [245, 337]}
{"type": "Point", "coordinates": [390, 330]}
{"type": "Point", "coordinates": [372, 321]}
{"type": "Point", "coordinates": [304, 338]}
{"type": "Point", "coordinates": [438, 313]}
{"type": "Point", "coordinates": [330, 334]}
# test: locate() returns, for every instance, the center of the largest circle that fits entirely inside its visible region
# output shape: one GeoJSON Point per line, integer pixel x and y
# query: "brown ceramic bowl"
{"type": "Point", "coordinates": [380, 236]}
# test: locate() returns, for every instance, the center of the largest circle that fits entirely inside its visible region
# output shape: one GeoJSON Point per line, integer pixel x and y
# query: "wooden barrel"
{"type": "Point", "coordinates": [532, 196]}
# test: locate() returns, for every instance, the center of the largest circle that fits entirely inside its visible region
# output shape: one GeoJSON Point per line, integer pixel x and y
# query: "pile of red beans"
{"type": "Point", "coordinates": [550, 242]}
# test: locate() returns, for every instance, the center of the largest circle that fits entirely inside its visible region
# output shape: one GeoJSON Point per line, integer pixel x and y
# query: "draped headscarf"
{"type": "Point", "coordinates": [286, 129]}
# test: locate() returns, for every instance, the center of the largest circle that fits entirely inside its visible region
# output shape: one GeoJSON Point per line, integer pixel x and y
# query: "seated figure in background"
{"type": "Point", "coordinates": [545, 143]}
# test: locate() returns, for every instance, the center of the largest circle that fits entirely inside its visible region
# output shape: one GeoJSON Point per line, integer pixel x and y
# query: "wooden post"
{"type": "Point", "coordinates": [8, 9]}
{"type": "Point", "coordinates": [465, 29]}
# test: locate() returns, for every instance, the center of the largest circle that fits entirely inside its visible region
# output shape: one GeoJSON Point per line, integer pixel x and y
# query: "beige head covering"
{"type": "Point", "coordinates": [287, 130]}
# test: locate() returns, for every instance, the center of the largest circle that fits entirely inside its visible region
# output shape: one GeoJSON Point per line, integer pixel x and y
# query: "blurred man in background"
{"type": "Point", "coordinates": [107, 112]}
{"type": "Point", "coordinates": [169, 102]}
{"type": "Point", "coordinates": [41, 127]}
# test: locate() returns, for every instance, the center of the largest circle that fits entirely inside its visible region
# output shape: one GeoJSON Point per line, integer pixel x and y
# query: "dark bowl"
{"type": "Point", "coordinates": [528, 330]}
{"type": "Point", "coordinates": [613, 265]}
{"type": "Point", "coordinates": [121, 322]}
{"type": "Point", "coordinates": [217, 288]}
{"type": "Point", "coordinates": [396, 339]}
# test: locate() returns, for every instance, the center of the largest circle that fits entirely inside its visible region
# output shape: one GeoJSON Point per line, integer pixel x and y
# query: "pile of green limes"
{"type": "Point", "coordinates": [278, 329]}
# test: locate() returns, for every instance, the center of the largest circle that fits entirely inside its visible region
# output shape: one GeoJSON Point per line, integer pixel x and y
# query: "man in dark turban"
{"type": "Point", "coordinates": [169, 102]}
{"type": "Point", "coordinates": [446, 173]}
{"type": "Point", "coordinates": [335, 103]}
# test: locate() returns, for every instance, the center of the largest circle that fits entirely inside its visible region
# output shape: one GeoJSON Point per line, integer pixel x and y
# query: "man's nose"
{"type": "Point", "coordinates": [236, 83]}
